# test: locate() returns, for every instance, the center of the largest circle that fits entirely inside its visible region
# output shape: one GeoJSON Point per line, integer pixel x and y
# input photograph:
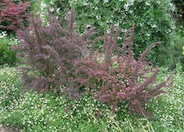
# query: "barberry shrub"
{"type": "Point", "coordinates": [59, 59]}
{"type": "Point", "coordinates": [12, 16]}
{"type": "Point", "coordinates": [51, 52]}
{"type": "Point", "coordinates": [116, 77]}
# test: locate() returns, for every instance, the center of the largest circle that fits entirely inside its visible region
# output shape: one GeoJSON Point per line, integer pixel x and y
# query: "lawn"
{"type": "Point", "coordinates": [28, 110]}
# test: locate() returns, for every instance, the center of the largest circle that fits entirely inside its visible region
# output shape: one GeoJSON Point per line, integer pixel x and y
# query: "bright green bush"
{"type": "Point", "coordinates": [7, 56]}
{"type": "Point", "coordinates": [153, 20]}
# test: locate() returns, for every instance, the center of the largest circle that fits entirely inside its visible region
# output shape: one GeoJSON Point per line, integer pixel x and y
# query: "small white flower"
{"type": "Point", "coordinates": [51, 9]}
{"type": "Point", "coordinates": [141, 24]}
{"type": "Point", "coordinates": [173, 27]}
{"type": "Point", "coordinates": [3, 34]}
{"type": "Point", "coordinates": [126, 7]}
{"type": "Point", "coordinates": [158, 2]}
{"type": "Point", "coordinates": [131, 2]}
{"type": "Point", "coordinates": [51, 2]}
{"type": "Point", "coordinates": [43, 5]}
{"type": "Point", "coordinates": [105, 1]}
{"type": "Point", "coordinates": [147, 3]}
{"type": "Point", "coordinates": [130, 11]}
{"type": "Point", "coordinates": [153, 26]}
{"type": "Point", "coordinates": [57, 10]}
{"type": "Point", "coordinates": [96, 8]}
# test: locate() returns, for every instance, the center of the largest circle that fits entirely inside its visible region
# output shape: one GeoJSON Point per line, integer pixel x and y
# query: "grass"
{"type": "Point", "coordinates": [46, 112]}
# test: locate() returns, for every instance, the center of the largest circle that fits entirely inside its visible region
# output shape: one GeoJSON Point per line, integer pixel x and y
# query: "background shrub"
{"type": "Point", "coordinates": [180, 8]}
{"type": "Point", "coordinates": [7, 55]}
{"type": "Point", "coordinates": [153, 21]}
{"type": "Point", "coordinates": [178, 40]}
{"type": "Point", "coordinates": [176, 52]}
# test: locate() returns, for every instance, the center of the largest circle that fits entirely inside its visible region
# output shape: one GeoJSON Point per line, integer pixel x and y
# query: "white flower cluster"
{"type": "Point", "coordinates": [3, 34]}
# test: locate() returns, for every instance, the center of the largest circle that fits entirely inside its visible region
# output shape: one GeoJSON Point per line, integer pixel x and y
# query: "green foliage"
{"type": "Point", "coordinates": [30, 111]}
{"type": "Point", "coordinates": [9, 86]}
{"type": "Point", "coordinates": [171, 106]}
{"type": "Point", "coordinates": [152, 20]}
{"type": "Point", "coordinates": [7, 56]}
{"type": "Point", "coordinates": [175, 52]}
{"type": "Point", "coordinates": [180, 8]}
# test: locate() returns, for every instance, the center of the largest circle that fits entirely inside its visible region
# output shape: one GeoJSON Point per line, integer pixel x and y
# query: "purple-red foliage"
{"type": "Point", "coordinates": [12, 15]}
{"type": "Point", "coordinates": [51, 52]}
{"type": "Point", "coordinates": [58, 59]}
{"type": "Point", "coordinates": [116, 76]}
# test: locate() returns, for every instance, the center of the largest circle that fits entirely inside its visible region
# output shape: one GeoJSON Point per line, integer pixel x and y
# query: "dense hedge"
{"type": "Point", "coordinates": [153, 20]}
